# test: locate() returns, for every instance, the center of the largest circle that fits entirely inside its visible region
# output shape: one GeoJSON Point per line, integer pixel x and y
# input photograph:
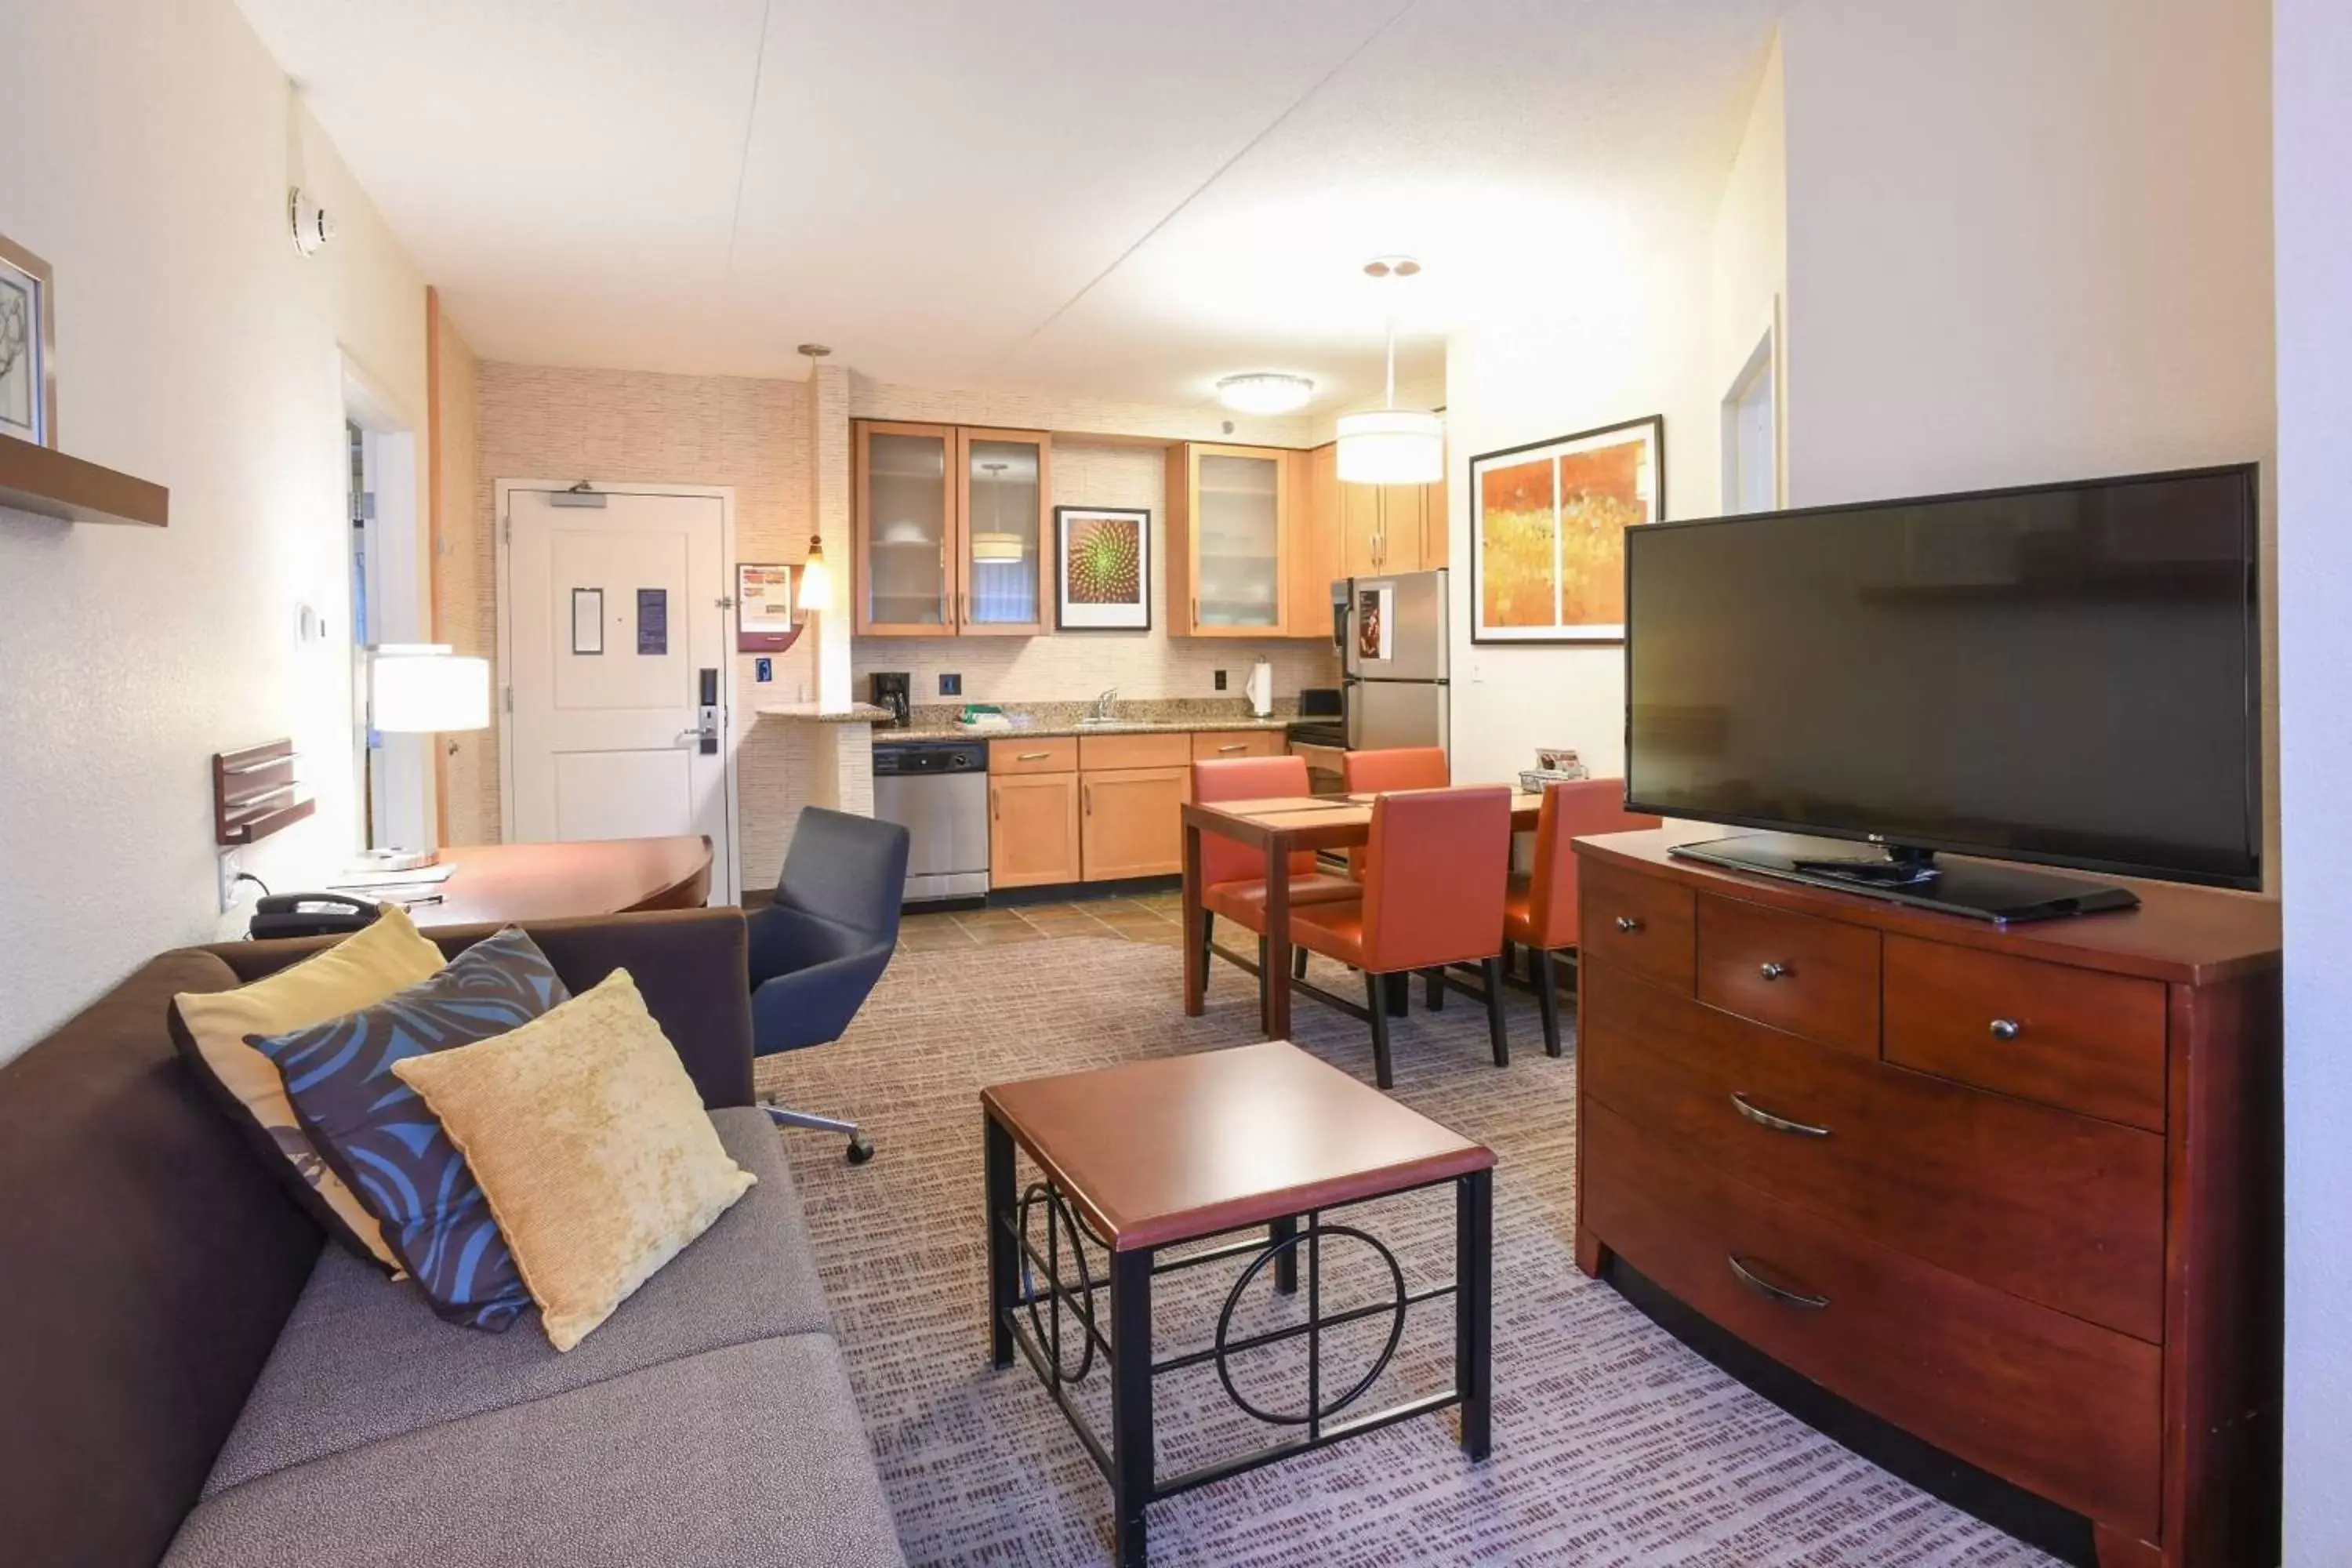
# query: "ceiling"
{"type": "Point", "coordinates": [1111, 200]}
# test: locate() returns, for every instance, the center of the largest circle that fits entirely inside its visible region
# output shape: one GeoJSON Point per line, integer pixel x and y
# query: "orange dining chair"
{"type": "Point", "coordinates": [1435, 874]}
{"type": "Point", "coordinates": [1540, 913]}
{"type": "Point", "coordinates": [1232, 873]}
{"type": "Point", "coordinates": [1396, 767]}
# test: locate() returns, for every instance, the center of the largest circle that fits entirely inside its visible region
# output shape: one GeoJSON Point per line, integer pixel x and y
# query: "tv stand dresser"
{"type": "Point", "coordinates": [2015, 1193]}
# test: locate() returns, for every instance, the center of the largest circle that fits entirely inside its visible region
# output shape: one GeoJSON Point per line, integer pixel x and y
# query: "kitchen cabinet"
{"type": "Point", "coordinates": [952, 530]}
{"type": "Point", "coordinates": [1380, 528]}
{"type": "Point", "coordinates": [1131, 821]}
{"type": "Point", "coordinates": [1230, 525]}
{"type": "Point", "coordinates": [1219, 745]}
{"type": "Point", "coordinates": [1033, 829]}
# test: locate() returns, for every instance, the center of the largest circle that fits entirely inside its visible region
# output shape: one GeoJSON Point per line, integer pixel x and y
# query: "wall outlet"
{"type": "Point", "coordinates": [231, 865]}
{"type": "Point", "coordinates": [950, 685]}
{"type": "Point", "coordinates": [1221, 681]}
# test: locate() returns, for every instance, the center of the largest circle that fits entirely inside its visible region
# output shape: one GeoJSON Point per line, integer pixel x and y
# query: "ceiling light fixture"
{"type": "Point", "coordinates": [1392, 445]}
{"type": "Point", "coordinates": [1264, 392]}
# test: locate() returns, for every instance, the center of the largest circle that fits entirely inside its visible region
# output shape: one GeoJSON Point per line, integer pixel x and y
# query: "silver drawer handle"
{"type": "Point", "coordinates": [1031, 756]}
{"type": "Point", "coordinates": [2006, 1028]}
{"type": "Point", "coordinates": [1242, 747]}
{"type": "Point", "coordinates": [1769, 1291]}
{"type": "Point", "coordinates": [1628, 924]}
{"type": "Point", "coordinates": [1777, 1123]}
{"type": "Point", "coordinates": [1772, 971]}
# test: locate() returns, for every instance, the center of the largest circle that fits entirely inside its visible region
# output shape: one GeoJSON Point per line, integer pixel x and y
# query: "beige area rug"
{"type": "Point", "coordinates": [1612, 1443]}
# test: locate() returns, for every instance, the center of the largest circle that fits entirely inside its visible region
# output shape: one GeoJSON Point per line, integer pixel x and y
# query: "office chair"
{"type": "Point", "coordinates": [818, 949]}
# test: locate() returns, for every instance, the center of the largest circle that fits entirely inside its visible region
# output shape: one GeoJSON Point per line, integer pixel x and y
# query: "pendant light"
{"type": "Point", "coordinates": [816, 581]}
{"type": "Point", "coordinates": [1392, 445]}
{"type": "Point", "coordinates": [996, 547]}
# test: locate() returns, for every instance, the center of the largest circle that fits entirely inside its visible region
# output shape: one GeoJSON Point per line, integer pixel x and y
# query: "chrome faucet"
{"type": "Point", "coordinates": [1105, 705]}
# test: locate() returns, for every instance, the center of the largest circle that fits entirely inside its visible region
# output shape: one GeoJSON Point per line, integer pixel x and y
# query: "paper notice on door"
{"type": "Point", "coordinates": [587, 620]}
{"type": "Point", "coordinates": [652, 620]}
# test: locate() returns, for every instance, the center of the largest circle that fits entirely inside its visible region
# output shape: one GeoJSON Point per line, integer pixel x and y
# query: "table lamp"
{"type": "Point", "coordinates": [423, 689]}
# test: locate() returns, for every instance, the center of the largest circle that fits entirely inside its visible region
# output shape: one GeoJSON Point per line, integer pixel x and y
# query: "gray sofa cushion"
{"type": "Point", "coordinates": [735, 1458]}
{"type": "Point", "coordinates": [363, 1359]}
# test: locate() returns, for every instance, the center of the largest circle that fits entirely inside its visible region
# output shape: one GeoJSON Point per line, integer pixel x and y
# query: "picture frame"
{"type": "Point", "coordinates": [1102, 569]}
{"type": "Point", "coordinates": [28, 347]}
{"type": "Point", "coordinates": [1547, 522]}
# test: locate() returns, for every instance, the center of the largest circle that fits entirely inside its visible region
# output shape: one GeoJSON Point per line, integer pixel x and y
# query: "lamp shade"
{"type": "Point", "coordinates": [1391, 447]}
{"type": "Point", "coordinates": [816, 579]}
{"type": "Point", "coordinates": [425, 689]}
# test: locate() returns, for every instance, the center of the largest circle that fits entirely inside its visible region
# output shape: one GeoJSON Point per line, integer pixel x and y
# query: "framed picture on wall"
{"type": "Point", "coordinates": [1102, 569]}
{"type": "Point", "coordinates": [28, 348]}
{"type": "Point", "coordinates": [1547, 525]}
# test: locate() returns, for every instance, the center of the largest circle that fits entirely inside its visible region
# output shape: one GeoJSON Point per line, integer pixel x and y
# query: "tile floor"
{"type": "Point", "coordinates": [1144, 916]}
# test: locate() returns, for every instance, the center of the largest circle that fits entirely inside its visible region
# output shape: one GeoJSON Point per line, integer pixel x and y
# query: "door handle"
{"type": "Point", "coordinates": [1089, 792]}
{"type": "Point", "coordinates": [995, 806]}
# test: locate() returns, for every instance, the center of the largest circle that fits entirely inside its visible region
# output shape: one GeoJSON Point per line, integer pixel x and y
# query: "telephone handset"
{"type": "Point", "coordinates": [309, 914]}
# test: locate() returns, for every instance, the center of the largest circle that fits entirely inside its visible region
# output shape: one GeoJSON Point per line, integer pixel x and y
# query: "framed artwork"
{"type": "Point", "coordinates": [1547, 533]}
{"type": "Point", "coordinates": [28, 348]}
{"type": "Point", "coordinates": [1103, 569]}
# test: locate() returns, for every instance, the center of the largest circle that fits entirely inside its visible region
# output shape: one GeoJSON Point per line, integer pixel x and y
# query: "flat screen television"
{"type": "Point", "coordinates": [2062, 674]}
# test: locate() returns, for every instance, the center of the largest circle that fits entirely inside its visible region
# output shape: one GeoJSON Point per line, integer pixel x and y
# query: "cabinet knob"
{"type": "Point", "coordinates": [2006, 1028]}
{"type": "Point", "coordinates": [1628, 924]}
{"type": "Point", "coordinates": [1771, 969]}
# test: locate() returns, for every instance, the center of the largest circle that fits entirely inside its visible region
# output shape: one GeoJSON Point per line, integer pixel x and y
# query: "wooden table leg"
{"type": "Point", "coordinates": [1196, 969]}
{"type": "Point", "coordinates": [1278, 937]}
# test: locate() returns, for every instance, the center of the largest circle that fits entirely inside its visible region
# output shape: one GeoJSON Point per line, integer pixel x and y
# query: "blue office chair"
{"type": "Point", "coordinates": [819, 947]}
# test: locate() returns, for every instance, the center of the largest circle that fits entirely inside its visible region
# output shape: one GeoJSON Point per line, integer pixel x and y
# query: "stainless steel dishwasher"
{"type": "Point", "coordinates": [938, 790]}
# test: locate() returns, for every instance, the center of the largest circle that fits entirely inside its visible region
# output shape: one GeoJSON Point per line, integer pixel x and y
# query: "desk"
{"type": "Point", "coordinates": [498, 884]}
{"type": "Point", "coordinates": [1281, 827]}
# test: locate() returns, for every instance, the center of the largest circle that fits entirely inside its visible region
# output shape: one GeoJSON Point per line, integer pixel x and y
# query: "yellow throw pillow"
{"type": "Point", "coordinates": [358, 971]}
{"type": "Point", "coordinates": [588, 1138]}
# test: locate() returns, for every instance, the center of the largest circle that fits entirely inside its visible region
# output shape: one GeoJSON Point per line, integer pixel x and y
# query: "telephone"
{"type": "Point", "coordinates": [309, 914]}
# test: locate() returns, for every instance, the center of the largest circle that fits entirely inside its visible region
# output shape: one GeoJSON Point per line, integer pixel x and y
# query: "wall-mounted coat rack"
{"type": "Point", "coordinates": [254, 792]}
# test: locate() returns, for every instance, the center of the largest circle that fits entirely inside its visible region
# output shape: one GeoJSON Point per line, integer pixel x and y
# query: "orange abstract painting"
{"type": "Point", "coordinates": [1547, 544]}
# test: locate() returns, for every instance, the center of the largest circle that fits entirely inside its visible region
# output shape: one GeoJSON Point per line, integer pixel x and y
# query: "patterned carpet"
{"type": "Point", "coordinates": [1612, 1445]}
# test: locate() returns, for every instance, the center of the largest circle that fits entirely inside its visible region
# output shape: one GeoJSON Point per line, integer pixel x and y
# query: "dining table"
{"type": "Point", "coordinates": [1281, 827]}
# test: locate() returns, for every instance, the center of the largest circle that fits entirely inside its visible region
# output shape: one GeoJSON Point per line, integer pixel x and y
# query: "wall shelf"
{"type": "Point", "coordinates": [254, 792]}
{"type": "Point", "coordinates": [36, 479]}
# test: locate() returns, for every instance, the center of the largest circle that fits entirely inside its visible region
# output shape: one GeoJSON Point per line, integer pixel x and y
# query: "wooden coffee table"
{"type": "Point", "coordinates": [1142, 1157]}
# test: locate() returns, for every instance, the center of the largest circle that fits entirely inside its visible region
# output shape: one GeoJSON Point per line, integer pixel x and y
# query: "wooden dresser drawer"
{"type": "Point", "coordinates": [2072, 1038]}
{"type": "Point", "coordinates": [1047, 754]}
{"type": "Point", "coordinates": [1216, 745]}
{"type": "Point", "coordinates": [1951, 1174]}
{"type": "Point", "coordinates": [1166, 750]}
{"type": "Point", "coordinates": [1641, 923]}
{"type": "Point", "coordinates": [1810, 976]}
{"type": "Point", "coordinates": [2058, 1405]}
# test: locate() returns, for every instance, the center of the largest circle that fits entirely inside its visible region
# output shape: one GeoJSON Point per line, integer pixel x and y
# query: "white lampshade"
{"type": "Point", "coordinates": [426, 688]}
{"type": "Point", "coordinates": [816, 579]}
{"type": "Point", "coordinates": [1391, 447]}
{"type": "Point", "coordinates": [996, 549]}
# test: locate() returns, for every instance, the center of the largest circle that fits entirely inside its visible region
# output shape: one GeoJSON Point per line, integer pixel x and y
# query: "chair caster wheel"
{"type": "Point", "coordinates": [861, 1149]}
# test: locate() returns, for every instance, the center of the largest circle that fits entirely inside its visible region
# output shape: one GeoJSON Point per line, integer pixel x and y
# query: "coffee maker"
{"type": "Point", "coordinates": [891, 688]}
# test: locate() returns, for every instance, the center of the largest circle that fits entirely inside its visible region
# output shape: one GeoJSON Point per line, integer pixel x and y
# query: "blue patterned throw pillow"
{"type": "Point", "coordinates": [379, 1137]}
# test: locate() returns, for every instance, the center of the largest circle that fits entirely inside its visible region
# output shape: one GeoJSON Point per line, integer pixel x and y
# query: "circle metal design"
{"type": "Point", "coordinates": [1059, 1211]}
{"type": "Point", "coordinates": [1233, 1299]}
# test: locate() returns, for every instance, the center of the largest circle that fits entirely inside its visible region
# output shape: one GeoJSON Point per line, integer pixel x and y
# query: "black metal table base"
{"type": "Point", "coordinates": [1023, 1279]}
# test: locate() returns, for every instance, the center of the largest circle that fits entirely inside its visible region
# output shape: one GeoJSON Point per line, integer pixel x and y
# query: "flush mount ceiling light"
{"type": "Point", "coordinates": [1264, 392]}
{"type": "Point", "coordinates": [1392, 445]}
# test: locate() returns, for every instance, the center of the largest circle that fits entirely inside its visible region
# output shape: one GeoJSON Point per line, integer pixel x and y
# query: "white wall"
{"type": "Point", "coordinates": [2313, 186]}
{"type": "Point", "coordinates": [148, 157]}
{"type": "Point", "coordinates": [1751, 254]}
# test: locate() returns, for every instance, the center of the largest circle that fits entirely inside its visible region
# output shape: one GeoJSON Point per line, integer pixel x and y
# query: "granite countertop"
{"type": "Point", "coordinates": [817, 713]}
{"type": "Point", "coordinates": [928, 730]}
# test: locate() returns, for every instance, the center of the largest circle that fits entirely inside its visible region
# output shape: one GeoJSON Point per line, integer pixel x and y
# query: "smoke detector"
{"type": "Point", "coordinates": [313, 228]}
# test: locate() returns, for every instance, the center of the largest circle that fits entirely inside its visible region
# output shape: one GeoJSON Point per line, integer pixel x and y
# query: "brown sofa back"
{"type": "Point", "coordinates": [148, 1260]}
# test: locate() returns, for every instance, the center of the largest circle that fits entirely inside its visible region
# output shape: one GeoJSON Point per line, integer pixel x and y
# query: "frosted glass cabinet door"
{"type": "Point", "coordinates": [1006, 477]}
{"type": "Point", "coordinates": [1237, 539]}
{"type": "Point", "coordinates": [906, 530]}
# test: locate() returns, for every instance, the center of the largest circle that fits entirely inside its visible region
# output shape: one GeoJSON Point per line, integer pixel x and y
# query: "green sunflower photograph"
{"type": "Point", "coordinates": [1106, 569]}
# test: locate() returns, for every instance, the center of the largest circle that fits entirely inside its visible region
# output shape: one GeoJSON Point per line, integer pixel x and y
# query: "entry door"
{"type": "Point", "coordinates": [615, 627]}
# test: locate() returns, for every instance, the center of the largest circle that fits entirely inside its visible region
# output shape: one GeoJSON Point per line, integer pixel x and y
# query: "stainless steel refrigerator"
{"type": "Point", "coordinates": [1392, 652]}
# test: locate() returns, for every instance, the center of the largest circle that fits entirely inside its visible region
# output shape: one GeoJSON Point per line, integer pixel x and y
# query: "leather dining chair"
{"type": "Point", "coordinates": [1435, 873]}
{"type": "Point", "coordinates": [1540, 913]}
{"type": "Point", "coordinates": [1232, 875]}
{"type": "Point", "coordinates": [1391, 767]}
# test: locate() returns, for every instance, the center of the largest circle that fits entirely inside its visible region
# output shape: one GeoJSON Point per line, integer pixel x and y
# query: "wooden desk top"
{"type": "Point", "coordinates": [1157, 1151]}
{"type": "Point", "coordinates": [498, 884]}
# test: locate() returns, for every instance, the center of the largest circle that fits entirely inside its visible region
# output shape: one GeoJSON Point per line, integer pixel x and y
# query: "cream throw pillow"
{"type": "Point", "coordinates": [589, 1141]}
{"type": "Point", "coordinates": [358, 971]}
